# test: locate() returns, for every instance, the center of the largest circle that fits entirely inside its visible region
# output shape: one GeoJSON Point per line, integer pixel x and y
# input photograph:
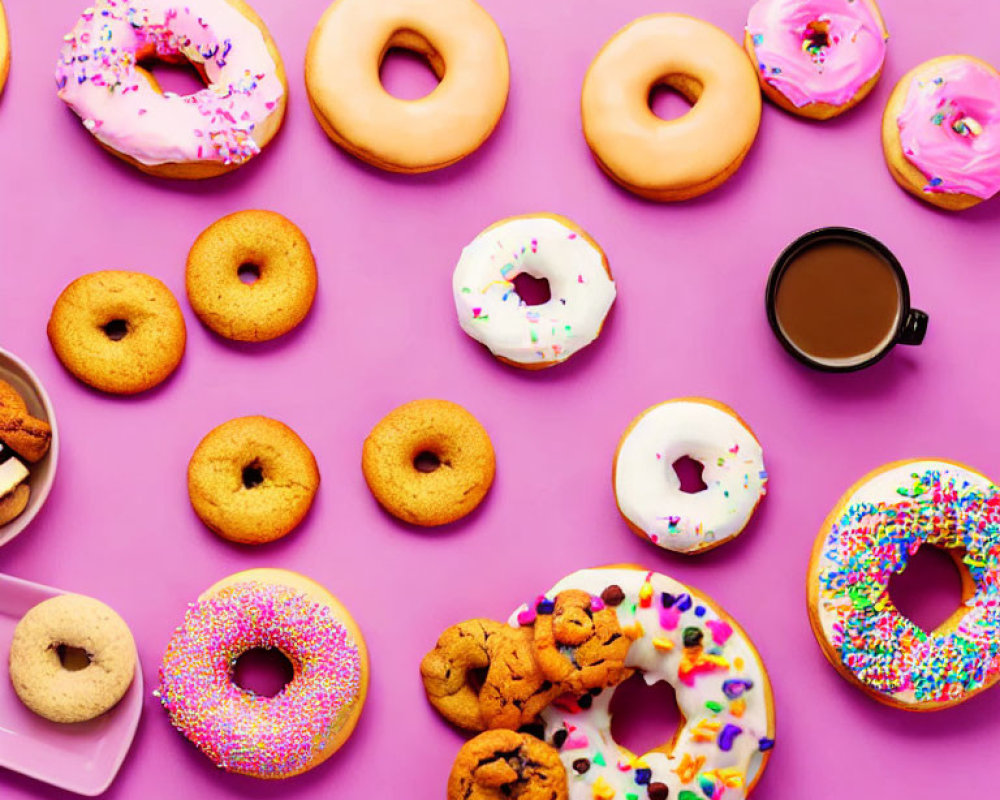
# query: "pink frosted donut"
{"type": "Point", "coordinates": [99, 75]}
{"type": "Point", "coordinates": [302, 725]}
{"type": "Point", "coordinates": [816, 58]}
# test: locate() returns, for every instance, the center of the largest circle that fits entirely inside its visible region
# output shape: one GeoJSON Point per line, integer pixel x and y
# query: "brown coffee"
{"type": "Point", "coordinates": [838, 301]}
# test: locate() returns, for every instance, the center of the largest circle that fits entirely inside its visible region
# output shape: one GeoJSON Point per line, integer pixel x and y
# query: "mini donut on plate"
{"type": "Point", "coordinates": [119, 332]}
{"type": "Point", "coordinates": [669, 160]}
{"type": "Point", "coordinates": [100, 75]}
{"type": "Point", "coordinates": [870, 535]}
{"type": "Point", "coordinates": [505, 764]}
{"type": "Point", "coordinates": [647, 488]}
{"type": "Point", "coordinates": [941, 132]}
{"type": "Point", "coordinates": [273, 249]}
{"type": "Point", "coordinates": [464, 48]}
{"type": "Point", "coordinates": [304, 723]}
{"type": "Point", "coordinates": [545, 246]}
{"type": "Point", "coordinates": [428, 462]}
{"type": "Point", "coordinates": [252, 480]}
{"type": "Point", "coordinates": [816, 58]}
{"type": "Point", "coordinates": [99, 678]}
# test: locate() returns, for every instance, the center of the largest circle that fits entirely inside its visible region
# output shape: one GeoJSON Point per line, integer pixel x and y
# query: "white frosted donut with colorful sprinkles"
{"type": "Point", "coordinates": [100, 76]}
{"type": "Point", "coordinates": [310, 718]}
{"type": "Point", "coordinates": [648, 490]}
{"type": "Point", "coordinates": [545, 246]}
{"type": "Point", "coordinates": [722, 690]}
{"type": "Point", "coordinates": [870, 535]}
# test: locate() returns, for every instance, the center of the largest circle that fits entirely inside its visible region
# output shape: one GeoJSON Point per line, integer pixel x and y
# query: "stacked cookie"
{"type": "Point", "coordinates": [24, 440]}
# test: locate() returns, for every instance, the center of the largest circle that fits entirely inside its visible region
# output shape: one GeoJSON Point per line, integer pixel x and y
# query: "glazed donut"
{"type": "Point", "coordinates": [119, 332]}
{"type": "Point", "coordinates": [648, 491]}
{"type": "Point", "coordinates": [870, 535]}
{"type": "Point", "coordinates": [307, 721]}
{"type": "Point", "coordinates": [273, 304]}
{"type": "Point", "coordinates": [428, 462]}
{"type": "Point", "coordinates": [722, 688]}
{"type": "Point", "coordinates": [4, 49]}
{"type": "Point", "coordinates": [816, 58]}
{"type": "Point", "coordinates": [669, 160]}
{"type": "Point", "coordinates": [501, 764]}
{"type": "Point", "coordinates": [544, 246]}
{"type": "Point", "coordinates": [941, 132]}
{"type": "Point", "coordinates": [252, 480]}
{"type": "Point", "coordinates": [59, 693]}
{"type": "Point", "coordinates": [461, 43]}
{"type": "Point", "coordinates": [101, 77]}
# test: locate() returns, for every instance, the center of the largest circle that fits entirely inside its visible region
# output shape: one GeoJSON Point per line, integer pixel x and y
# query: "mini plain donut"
{"type": "Point", "coordinates": [273, 304]}
{"type": "Point", "coordinates": [669, 160]}
{"type": "Point", "coordinates": [443, 432]}
{"type": "Point", "coordinates": [63, 695]}
{"type": "Point", "coordinates": [310, 718]}
{"type": "Point", "coordinates": [119, 332]}
{"type": "Point", "coordinates": [464, 48]}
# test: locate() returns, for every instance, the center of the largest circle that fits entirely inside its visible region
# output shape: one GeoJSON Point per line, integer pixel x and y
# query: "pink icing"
{"type": "Point", "coordinates": [949, 128]}
{"type": "Point", "coordinates": [797, 63]}
{"type": "Point", "coordinates": [97, 77]}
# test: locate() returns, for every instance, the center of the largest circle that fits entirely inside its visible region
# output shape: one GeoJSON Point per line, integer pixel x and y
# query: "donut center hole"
{"type": "Point", "coordinates": [249, 273]}
{"type": "Point", "coordinates": [816, 37]}
{"type": "Point", "coordinates": [263, 671]}
{"type": "Point", "coordinates": [407, 72]}
{"type": "Point", "coordinates": [175, 75]}
{"type": "Point", "coordinates": [476, 678]}
{"type": "Point", "coordinates": [426, 461]}
{"type": "Point", "coordinates": [689, 474]}
{"type": "Point", "coordinates": [72, 659]}
{"type": "Point", "coordinates": [929, 588]}
{"type": "Point", "coordinates": [253, 475]}
{"type": "Point", "coordinates": [532, 291]}
{"type": "Point", "coordinates": [644, 717]}
{"type": "Point", "coordinates": [116, 330]}
{"type": "Point", "coordinates": [673, 96]}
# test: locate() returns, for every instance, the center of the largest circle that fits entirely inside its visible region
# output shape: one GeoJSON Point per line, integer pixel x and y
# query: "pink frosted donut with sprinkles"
{"type": "Point", "coordinates": [871, 535]}
{"type": "Point", "coordinates": [101, 76]}
{"type": "Point", "coordinates": [306, 721]}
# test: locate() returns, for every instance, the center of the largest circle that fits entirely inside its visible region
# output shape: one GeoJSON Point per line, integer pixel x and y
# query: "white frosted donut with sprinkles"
{"type": "Point", "coordinates": [545, 246]}
{"type": "Point", "coordinates": [722, 691]}
{"type": "Point", "coordinates": [100, 75]}
{"type": "Point", "coordinates": [648, 490]}
{"type": "Point", "coordinates": [870, 535]}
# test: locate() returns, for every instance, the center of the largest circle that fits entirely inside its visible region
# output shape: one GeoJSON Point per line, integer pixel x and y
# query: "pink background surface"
{"type": "Point", "coordinates": [689, 321]}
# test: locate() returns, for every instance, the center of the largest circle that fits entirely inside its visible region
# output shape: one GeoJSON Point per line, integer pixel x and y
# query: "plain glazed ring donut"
{"type": "Point", "coordinates": [46, 683]}
{"type": "Point", "coordinates": [463, 46]}
{"type": "Point", "coordinates": [270, 246]}
{"type": "Point", "coordinates": [870, 535]}
{"type": "Point", "coordinates": [676, 159]}
{"type": "Point", "coordinates": [428, 462]}
{"type": "Point", "coordinates": [101, 77]}
{"type": "Point", "coordinates": [545, 246]}
{"type": "Point", "coordinates": [310, 718]}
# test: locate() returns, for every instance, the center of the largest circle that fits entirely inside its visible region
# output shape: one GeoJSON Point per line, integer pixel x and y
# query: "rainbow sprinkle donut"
{"type": "Point", "coordinates": [302, 725]}
{"type": "Point", "coordinates": [99, 75]}
{"type": "Point", "coordinates": [870, 535]}
{"type": "Point", "coordinates": [722, 690]}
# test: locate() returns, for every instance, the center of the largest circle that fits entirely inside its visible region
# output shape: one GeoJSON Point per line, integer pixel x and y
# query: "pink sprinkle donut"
{"type": "Point", "coordinates": [310, 718]}
{"type": "Point", "coordinates": [101, 77]}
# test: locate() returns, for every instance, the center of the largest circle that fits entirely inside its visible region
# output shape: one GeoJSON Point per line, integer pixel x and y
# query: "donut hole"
{"type": "Point", "coordinates": [253, 475]}
{"type": "Point", "coordinates": [475, 679]}
{"type": "Point", "coordinates": [73, 659]}
{"type": "Point", "coordinates": [410, 67]}
{"type": "Point", "coordinates": [532, 291]}
{"type": "Point", "coordinates": [689, 474]}
{"type": "Point", "coordinates": [673, 96]}
{"type": "Point", "coordinates": [929, 589]}
{"type": "Point", "coordinates": [263, 671]}
{"type": "Point", "coordinates": [816, 36]}
{"type": "Point", "coordinates": [426, 461]}
{"type": "Point", "coordinates": [176, 76]}
{"type": "Point", "coordinates": [644, 717]}
{"type": "Point", "coordinates": [248, 273]}
{"type": "Point", "coordinates": [116, 330]}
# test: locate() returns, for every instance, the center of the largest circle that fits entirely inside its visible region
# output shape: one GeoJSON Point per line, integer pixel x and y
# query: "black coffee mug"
{"type": "Point", "coordinates": [832, 306]}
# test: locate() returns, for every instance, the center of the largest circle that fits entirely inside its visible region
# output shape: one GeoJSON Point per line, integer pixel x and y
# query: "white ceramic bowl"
{"type": "Point", "coordinates": [19, 375]}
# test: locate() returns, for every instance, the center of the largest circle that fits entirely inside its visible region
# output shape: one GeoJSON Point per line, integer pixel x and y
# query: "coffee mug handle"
{"type": "Point", "coordinates": [914, 327]}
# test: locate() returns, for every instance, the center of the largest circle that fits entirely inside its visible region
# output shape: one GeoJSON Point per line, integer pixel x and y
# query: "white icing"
{"type": "Point", "coordinates": [12, 471]}
{"type": "Point", "coordinates": [648, 490]}
{"type": "Point", "coordinates": [490, 310]}
{"type": "Point", "coordinates": [590, 730]}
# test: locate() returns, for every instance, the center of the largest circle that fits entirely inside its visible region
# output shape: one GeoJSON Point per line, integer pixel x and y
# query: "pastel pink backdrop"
{"type": "Point", "coordinates": [689, 321]}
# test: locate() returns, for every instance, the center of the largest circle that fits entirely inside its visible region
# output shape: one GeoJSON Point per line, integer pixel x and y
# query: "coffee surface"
{"type": "Point", "coordinates": [838, 300]}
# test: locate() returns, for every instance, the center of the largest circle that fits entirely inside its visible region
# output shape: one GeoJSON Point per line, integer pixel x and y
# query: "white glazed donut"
{"type": "Point", "coordinates": [722, 690]}
{"type": "Point", "coordinates": [648, 490]}
{"type": "Point", "coordinates": [544, 246]}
